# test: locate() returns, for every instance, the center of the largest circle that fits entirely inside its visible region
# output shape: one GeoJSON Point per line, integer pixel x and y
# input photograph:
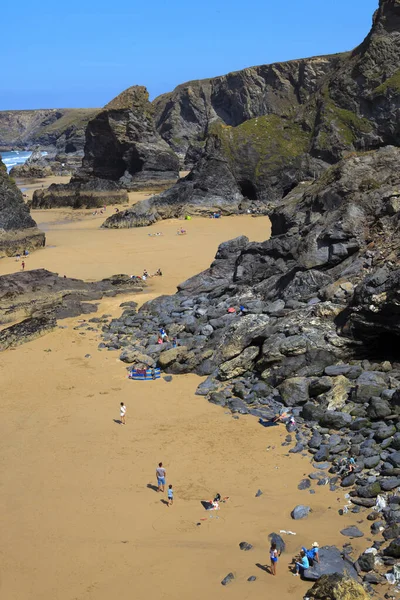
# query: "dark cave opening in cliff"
{"type": "Point", "coordinates": [247, 189]}
{"type": "Point", "coordinates": [385, 346]}
{"type": "Point", "coordinates": [70, 147]}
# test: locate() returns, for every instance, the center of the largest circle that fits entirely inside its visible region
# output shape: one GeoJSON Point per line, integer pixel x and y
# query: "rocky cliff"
{"type": "Point", "coordinates": [62, 130]}
{"type": "Point", "coordinates": [341, 105]}
{"type": "Point", "coordinates": [18, 231]}
{"type": "Point", "coordinates": [185, 116]}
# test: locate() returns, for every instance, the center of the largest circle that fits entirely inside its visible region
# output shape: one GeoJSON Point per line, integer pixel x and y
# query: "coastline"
{"type": "Point", "coordinates": [84, 478]}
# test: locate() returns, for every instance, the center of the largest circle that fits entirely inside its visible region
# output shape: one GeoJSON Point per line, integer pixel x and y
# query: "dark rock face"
{"type": "Point", "coordinates": [262, 139]}
{"type": "Point", "coordinates": [122, 143]}
{"type": "Point", "coordinates": [18, 230]}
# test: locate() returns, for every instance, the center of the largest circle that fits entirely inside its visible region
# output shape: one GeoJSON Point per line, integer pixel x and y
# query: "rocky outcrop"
{"type": "Point", "coordinates": [35, 167]}
{"type": "Point", "coordinates": [258, 150]}
{"type": "Point", "coordinates": [123, 151]}
{"type": "Point", "coordinates": [337, 587]}
{"type": "Point", "coordinates": [40, 294]}
{"type": "Point", "coordinates": [39, 166]}
{"type": "Point", "coordinates": [123, 145]}
{"type": "Point", "coordinates": [86, 193]}
{"type": "Point", "coordinates": [18, 231]}
{"type": "Point", "coordinates": [62, 130]}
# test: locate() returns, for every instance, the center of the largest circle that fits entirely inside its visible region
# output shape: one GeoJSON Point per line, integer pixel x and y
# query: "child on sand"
{"type": "Point", "coordinates": [122, 412]}
{"type": "Point", "coordinates": [170, 495]}
{"type": "Point", "coordinates": [273, 553]}
{"type": "Point", "coordinates": [23, 265]}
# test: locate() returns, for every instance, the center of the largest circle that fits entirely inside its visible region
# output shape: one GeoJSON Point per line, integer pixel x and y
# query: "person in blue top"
{"type": "Point", "coordinates": [312, 554]}
{"type": "Point", "coordinates": [302, 564]}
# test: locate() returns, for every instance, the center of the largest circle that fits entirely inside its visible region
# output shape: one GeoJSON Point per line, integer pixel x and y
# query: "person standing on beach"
{"type": "Point", "coordinates": [23, 265]}
{"type": "Point", "coordinates": [122, 413]}
{"type": "Point", "coordinates": [170, 495]}
{"type": "Point", "coordinates": [161, 474]}
{"type": "Point", "coordinates": [273, 553]}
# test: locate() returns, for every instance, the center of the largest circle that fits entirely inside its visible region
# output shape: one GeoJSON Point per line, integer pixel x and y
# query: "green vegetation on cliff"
{"type": "Point", "coordinates": [267, 142]}
{"type": "Point", "coordinates": [74, 117]}
{"type": "Point", "coordinates": [392, 83]}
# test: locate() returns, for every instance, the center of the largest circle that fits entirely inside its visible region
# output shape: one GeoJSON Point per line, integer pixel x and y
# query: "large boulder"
{"type": "Point", "coordinates": [331, 561]}
{"type": "Point", "coordinates": [337, 587]}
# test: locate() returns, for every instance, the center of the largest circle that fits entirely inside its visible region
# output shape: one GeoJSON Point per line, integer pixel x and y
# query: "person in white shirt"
{"type": "Point", "coordinates": [122, 412]}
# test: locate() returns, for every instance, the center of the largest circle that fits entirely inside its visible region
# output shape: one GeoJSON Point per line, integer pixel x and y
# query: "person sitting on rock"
{"type": "Point", "coordinates": [283, 415]}
{"type": "Point", "coordinates": [302, 564]}
{"type": "Point", "coordinates": [312, 553]}
{"type": "Point", "coordinates": [163, 334]}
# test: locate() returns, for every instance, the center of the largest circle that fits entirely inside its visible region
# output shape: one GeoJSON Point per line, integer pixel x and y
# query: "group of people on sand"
{"type": "Point", "coordinates": [101, 211]}
{"type": "Point", "coordinates": [146, 274]}
{"type": "Point", "coordinates": [306, 559]}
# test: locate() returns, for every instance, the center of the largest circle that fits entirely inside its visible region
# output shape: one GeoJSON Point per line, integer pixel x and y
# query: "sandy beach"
{"type": "Point", "coordinates": [78, 518]}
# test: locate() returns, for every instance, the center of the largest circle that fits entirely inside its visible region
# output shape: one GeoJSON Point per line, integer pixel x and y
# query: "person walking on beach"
{"type": "Point", "coordinates": [122, 413]}
{"type": "Point", "coordinates": [161, 474]}
{"type": "Point", "coordinates": [170, 495]}
{"type": "Point", "coordinates": [23, 265]}
{"type": "Point", "coordinates": [273, 553]}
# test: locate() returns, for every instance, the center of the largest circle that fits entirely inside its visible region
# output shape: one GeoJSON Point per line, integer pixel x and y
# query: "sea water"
{"type": "Point", "coordinates": [16, 157]}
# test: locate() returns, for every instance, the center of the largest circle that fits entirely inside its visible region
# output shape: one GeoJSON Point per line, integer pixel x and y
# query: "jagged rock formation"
{"type": "Point", "coordinates": [123, 151]}
{"type": "Point", "coordinates": [60, 129]}
{"type": "Point", "coordinates": [122, 144]}
{"type": "Point", "coordinates": [18, 231]}
{"type": "Point", "coordinates": [351, 104]}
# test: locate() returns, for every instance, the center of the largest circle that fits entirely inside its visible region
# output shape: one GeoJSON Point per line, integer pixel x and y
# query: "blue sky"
{"type": "Point", "coordinates": [83, 53]}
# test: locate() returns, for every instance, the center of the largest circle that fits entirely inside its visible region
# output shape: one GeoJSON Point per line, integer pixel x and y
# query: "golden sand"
{"type": "Point", "coordinates": [78, 519]}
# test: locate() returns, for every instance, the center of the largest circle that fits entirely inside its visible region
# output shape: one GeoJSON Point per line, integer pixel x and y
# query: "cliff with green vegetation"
{"type": "Point", "coordinates": [55, 129]}
{"type": "Point", "coordinates": [256, 134]}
